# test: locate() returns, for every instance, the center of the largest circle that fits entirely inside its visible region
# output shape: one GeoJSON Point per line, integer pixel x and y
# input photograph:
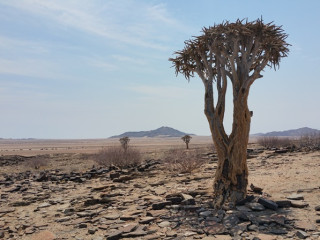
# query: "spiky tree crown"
{"type": "Point", "coordinates": [249, 44]}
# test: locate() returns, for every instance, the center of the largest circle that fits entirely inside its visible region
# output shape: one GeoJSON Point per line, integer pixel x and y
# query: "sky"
{"type": "Point", "coordinates": [92, 69]}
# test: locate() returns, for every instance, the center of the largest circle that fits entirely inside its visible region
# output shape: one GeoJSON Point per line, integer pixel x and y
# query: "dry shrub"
{"type": "Point", "coordinates": [36, 162]}
{"type": "Point", "coordinates": [311, 141]}
{"type": "Point", "coordinates": [119, 157]}
{"type": "Point", "coordinates": [183, 161]}
{"type": "Point", "coordinates": [274, 142]}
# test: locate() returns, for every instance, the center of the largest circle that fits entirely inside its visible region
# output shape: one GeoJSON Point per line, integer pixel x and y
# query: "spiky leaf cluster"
{"type": "Point", "coordinates": [247, 45]}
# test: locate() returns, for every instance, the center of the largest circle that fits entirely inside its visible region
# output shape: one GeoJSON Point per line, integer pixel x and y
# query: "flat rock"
{"type": "Point", "coordinates": [283, 203]}
{"type": "Point", "coordinates": [317, 208]}
{"type": "Point", "coordinates": [164, 224]}
{"type": "Point", "coordinates": [295, 196]}
{"type": "Point", "coordinates": [299, 204]}
{"type": "Point", "coordinates": [306, 226]}
{"type": "Point", "coordinates": [268, 203]}
{"type": "Point", "coordinates": [301, 234]}
{"type": "Point", "coordinates": [160, 205]}
{"type": "Point", "coordinates": [146, 220]}
{"type": "Point", "coordinates": [112, 216]}
{"type": "Point", "coordinates": [115, 235]}
{"type": "Point", "coordinates": [256, 206]}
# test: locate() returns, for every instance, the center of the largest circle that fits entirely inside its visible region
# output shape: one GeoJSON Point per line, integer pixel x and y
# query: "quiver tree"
{"type": "Point", "coordinates": [235, 53]}
{"type": "Point", "coordinates": [124, 141]}
{"type": "Point", "coordinates": [186, 139]}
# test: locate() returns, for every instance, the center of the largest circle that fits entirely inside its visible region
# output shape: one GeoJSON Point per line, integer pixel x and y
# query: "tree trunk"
{"type": "Point", "coordinates": [187, 145]}
{"type": "Point", "coordinates": [231, 178]}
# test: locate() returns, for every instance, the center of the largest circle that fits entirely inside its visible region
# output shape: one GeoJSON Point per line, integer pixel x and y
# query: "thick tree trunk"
{"type": "Point", "coordinates": [231, 178]}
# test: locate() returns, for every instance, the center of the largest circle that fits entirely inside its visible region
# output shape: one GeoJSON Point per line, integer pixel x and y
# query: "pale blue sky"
{"type": "Point", "coordinates": [92, 69]}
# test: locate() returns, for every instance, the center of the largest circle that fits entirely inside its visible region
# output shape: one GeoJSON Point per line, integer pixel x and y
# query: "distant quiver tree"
{"type": "Point", "coordinates": [124, 142]}
{"type": "Point", "coordinates": [186, 139]}
{"type": "Point", "coordinates": [235, 53]}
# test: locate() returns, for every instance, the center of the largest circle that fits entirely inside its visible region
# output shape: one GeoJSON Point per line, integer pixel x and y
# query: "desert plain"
{"type": "Point", "coordinates": [71, 197]}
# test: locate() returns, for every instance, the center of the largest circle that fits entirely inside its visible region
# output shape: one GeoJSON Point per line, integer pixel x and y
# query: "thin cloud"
{"type": "Point", "coordinates": [88, 17]}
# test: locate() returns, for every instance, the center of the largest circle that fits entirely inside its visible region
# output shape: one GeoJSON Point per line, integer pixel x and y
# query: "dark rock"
{"type": "Point", "coordinates": [82, 225]}
{"type": "Point", "coordinates": [114, 235]}
{"type": "Point", "coordinates": [318, 221]}
{"type": "Point", "coordinates": [278, 231]}
{"type": "Point", "coordinates": [230, 221]}
{"type": "Point", "coordinates": [268, 203]}
{"type": "Point", "coordinates": [249, 198]}
{"type": "Point", "coordinates": [317, 208]}
{"type": "Point", "coordinates": [256, 189]}
{"type": "Point", "coordinates": [92, 230]}
{"type": "Point", "coordinates": [256, 206]}
{"type": "Point", "coordinates": [114, 175]}
{"type": "Point", "coordinates": [187, 199]}
{"type": "Point", "coordinates": [160, 205]}
{"type": "Point", "coordinates": [301, 234]}
{"type": "Point", "coordinates": [283, 203]}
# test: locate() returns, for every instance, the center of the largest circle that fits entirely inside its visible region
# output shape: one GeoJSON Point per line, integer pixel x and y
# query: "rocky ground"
{"type": "Point", "coordinates": [149, 202]}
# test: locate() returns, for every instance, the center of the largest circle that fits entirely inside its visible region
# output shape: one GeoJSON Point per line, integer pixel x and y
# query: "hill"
{"type": "Point", "coordinates": [160, 132]}
{"type": "Point", "coordinates": [290, 133]}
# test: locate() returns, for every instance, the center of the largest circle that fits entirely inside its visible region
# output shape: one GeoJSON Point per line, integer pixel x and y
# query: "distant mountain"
{"type": "Point", "coordinates": [290, 133]}
{"type": "Point", "coordinates": [160, 132]}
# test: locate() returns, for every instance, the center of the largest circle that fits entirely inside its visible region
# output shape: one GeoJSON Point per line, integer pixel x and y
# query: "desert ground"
{"type": "Point", "coordinates": [71, 197]}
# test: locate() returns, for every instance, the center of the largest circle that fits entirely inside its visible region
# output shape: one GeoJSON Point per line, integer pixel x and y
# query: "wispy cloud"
{"type": "Point", "coordinates": [103, 21]}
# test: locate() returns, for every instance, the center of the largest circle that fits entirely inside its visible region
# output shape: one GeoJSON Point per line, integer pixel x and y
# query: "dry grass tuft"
{"type": "Point", "coordinates": [36, 162]}
{"type": "Point", "coordinates": [274, 142]}
{"type": "Point", "coordinates": [119, 157]}
{"type": "Point", "coordinates": [183, 161]}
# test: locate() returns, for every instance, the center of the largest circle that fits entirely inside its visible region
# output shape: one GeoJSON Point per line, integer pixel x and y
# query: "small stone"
{"type": "Point", "coordinates": [187, 199]}
{"type": "Point", "coordinates": [317, 208]}
{"type": "Point", "coordinates": [92, 230]}
{"type": "Point", "coordinates": [253, 228]}
{"type": "Point", "coordinates": [256, 206]}
{"type": "Point", "coordinates": [115, 235]}
{"type": "Point", "coordinates": [278, 231]}
{"type": "Point", "coordinates": [301, 234]}
{"type": "Point", "coordinates": [296, 196]}
{"type": "Point", "coordinates": [189, 234]}
{"type": "Point", "coordinates": [205, 214]}
{"type": "Point", "coordinates": [44, 205]}
{"type": "Point", "coordinates": [146, 220]}
{"type": "Point", "coordinates": [160, 205]}
{"type": "Point", "coordinates": [268, 203]}
{"type": "Point", "coordinates": [283, 203]}
{"type": "Point", "coordinates": [82, 225]}
{"type": "Point", "coordinates": [112, 216]}
{"type": "Point", "coordinates": [249, 198]}
{"type": "Point", "coordinates": [299, 204]}
{"type": "Point", "coordinates": [318, 221]}
{"type": "Point", "coordinates": [164, 224]}
{"type": "Point", "coordinates": [130, 227]}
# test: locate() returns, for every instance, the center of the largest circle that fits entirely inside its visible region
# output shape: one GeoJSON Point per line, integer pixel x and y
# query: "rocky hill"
{"type": "Point", "coordinates": [290, 133]}
{"type": "Point", "coordinates": [160, 132]}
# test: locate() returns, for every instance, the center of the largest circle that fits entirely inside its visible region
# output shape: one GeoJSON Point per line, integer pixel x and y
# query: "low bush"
{"type": "Point", "coordinates": [119, 157]}
{"type": "Point", "coordinates": [183, 161]}
{"type": "Point", "coordinates": [274, 142]}
{"type": "Point", "coordinates": [36, 162]}
{"type": "Point", "coordinates": [311, 142]}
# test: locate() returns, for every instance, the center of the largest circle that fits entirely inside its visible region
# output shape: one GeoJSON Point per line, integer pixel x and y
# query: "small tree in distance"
{"type": "Point", "coordinates": [124, 142]}
{"type": "Point", "coordinates": [186, 139]}
{"type": "Point", "coordinates": [235, 52]}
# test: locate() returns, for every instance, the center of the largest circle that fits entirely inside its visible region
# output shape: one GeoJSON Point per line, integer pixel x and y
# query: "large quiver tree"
{"type": "Point", "coordinates": [235, 52]}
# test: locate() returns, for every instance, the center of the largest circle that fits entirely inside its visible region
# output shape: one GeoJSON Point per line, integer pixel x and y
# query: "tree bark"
{"type": "Point", "coordinates": [231, 178]}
